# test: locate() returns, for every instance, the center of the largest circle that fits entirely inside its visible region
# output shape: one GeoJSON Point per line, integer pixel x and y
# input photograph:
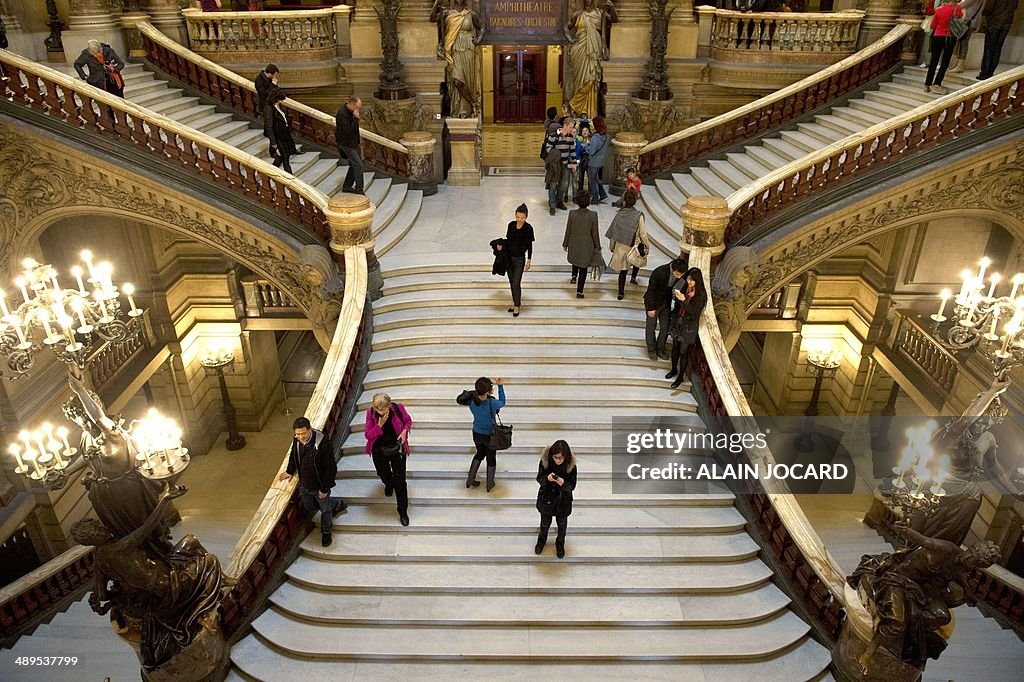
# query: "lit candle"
{"type": "Point", "coordinates": [35, 463]}
{"type": "Point", "coordinates": [996, 277]}
{"type": "Point", "coordinates": [20, 281]}
{"type": "Point", "coordinates": [1017, 279]}
{"type": "Point", "coordinates": [53, 281]}
{"type": "Point", "coordinates": [106, 270]}
{"type": "Point", "coordinates": [992, 332]}
{"type": "Point", "coordinates": [962, 296]}
{"type": "Point", "coordinates": [970, 311]}
{"type": "Point", "coordinates": [62, 433]}
{"type": "Point", "coordinates": [944, 295]}
{"type": "Point", "coordinates": [39, 442]}
{"type": "Point", "coordinates": [128, 291]}
{"type": "Point", "coordinates": [77, 305]}
{"type": "Point", "coordinates": [26, 437]}
{"type": "Point", "coordinates": [985, 262]}
{"type": "Point", "coordinates": [44, 317]}
{"type": "Point", "coordinates": [77, 272]}
{"type": "Point", "coordinates": [17, 329]}
{"type": "Point", "coordinates": [1009, 331]}
{"type": "Point", "coordinates": [55, 448]}
{"type": "Point", "coordinates": [87, 257]}
{"type": "Point", "coordinates": [3, 305]}
{"type": "Point", "coordinates": [16, 451]}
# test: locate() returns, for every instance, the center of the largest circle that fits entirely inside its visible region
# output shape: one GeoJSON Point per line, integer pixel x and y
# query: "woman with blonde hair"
{"type": "Point", "coordinates": [387, 442]}
{"type": "Point", "coordinates": [556, 475]}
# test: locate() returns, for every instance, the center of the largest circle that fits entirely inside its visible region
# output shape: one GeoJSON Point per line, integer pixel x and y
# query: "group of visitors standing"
{"type": "Point", "coordinates": [574, 153]}
{"type": "Point", "coordinates": [948, 26]}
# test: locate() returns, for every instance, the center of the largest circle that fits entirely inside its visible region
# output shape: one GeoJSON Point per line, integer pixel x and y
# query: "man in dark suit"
{"type": "Point", "coordinates": [658, 304]}
{"type": "Point", "coordinates": [265, 79]}
{"type": "Point", "coordinates": [104, 67]}
{"type": "Point", "coordinates": [312, 458]}
{"type": "Point", "coordinates": [346, 134]}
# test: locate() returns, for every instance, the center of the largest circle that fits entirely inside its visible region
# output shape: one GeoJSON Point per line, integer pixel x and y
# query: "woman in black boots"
{"type": "Point", "coordinates": [557, 477]}
{"type": "Point", "coordinates": [689, 299]}
{"type": "Point", "coordinates": [519, 242]}
{"type": "Point", "coordinates": [484, 407]}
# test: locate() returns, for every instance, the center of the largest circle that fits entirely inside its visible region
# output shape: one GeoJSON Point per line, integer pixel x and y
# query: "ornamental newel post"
{"type": "Point", "coordinates": [420, 144]}
{"type": "Point", "coordinates": [391, 84]}
{"type": "Point", "coordinates": [350, 217]}
{"type": "Point", "coordinates": [704, 221]}
{"type": "Point", "coordinates": [626, 147]}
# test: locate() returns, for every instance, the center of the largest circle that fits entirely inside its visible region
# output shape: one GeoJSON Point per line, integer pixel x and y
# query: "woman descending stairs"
{"type": "Point", "coordinates": [652, 586]}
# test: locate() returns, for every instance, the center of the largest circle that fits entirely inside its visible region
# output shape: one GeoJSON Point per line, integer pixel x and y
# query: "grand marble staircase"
{"type": "Point", "coordinates": [396, 205]}
{"type": "Point", "coordinates": [721, 177]}
{"type": "Point", "coordinates": [652, 587]}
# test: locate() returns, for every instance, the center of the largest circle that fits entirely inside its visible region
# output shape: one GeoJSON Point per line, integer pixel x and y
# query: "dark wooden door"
{"type": "Point", "coordinates": [520, 85]}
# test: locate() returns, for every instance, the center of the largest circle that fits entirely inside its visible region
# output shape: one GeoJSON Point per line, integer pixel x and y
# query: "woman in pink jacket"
{"type": "Point", "coordinates": [387, 442]}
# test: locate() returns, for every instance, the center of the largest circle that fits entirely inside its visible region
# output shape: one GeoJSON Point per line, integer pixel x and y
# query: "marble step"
{"type": "Point", "coordinates": [525, 336]}
{"type": "Point", "coordinates": [394, 546]}
{"type": "Point", "coordinates": [823, 134]}
{"type": "Point", "coordinates": [688, 185]}
{"type": "Point", "coordinates": [784, 149]}
{"type": "Point", "coordinates": [842, 126]}
{"type": "Point", "coordinates": [556, 294]}
{"type": "Point", "coordinates": [766, 157]}
{"type": "Point", "coordinates": [568, 610]}
{"type": "Point", "coordinates": [730, 173]}
{"type": "Point", "coordinates": [801, 141]}
{"type": "Point", "coordinates": [907, 93]}
{"type": "Point", "coordinates": [557, 371]}
{"type": "Point", "coordinates": [318, 171]}
{"type": "Point", "coordinates": [527, 576]}
{"type": "Point", "coordinates": [172, 107]}
{"type": "Point", "coordinates": [266, 662]}
{"type": "Point", "coordinates": [859, 117]}
{"type": "Point", "coordinates": [575, 312]}
{"type": "Point", "coordinates": [882, 110]}
{"type": "Point", "coordinates": [464, 516]}
{"type": "Point", "coordinates": [439, 491]}
{"type": "Point", "coordinates": [388, 206]}
{"type": "Point", "coordinates": [751, 168]}
{"type": "Point", "coordinates": [443, 264]}
{"type": "Point", "coordinates": [402, 222]}
{"type": "Point", "coordinates": [432, 395]}
{"type": "Point", "coordinates": [526, 417]}
{"type": "Point", "coordinates": [581, 644]}
{"type": "Point", "coordinates": [517, 465]}
{"type": "Point", "coordinates": [711, 182]}
{"type": "Point", "coordinates": [377, 191]}
{"type": "Point", "coordinates": [554, 277]}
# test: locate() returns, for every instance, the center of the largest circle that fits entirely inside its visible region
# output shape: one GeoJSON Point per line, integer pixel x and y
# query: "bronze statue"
{"type": "Point", "coordinates": [972, 449]}
{"type": "Point", "coordinates": [172, 597]}
{"type": "Point", "coordinates": [911, 592]}
{"type": "Point", "coordinates": [122, 497]}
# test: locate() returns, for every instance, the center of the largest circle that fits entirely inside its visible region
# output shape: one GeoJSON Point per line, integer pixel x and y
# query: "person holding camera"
{"type": "Point", "coordinates": [556, 475]}
{"type": "Point", "coordinates": [387, 442]}
{"type": "Point", "coordinates": [104, 67]}
{"type": "Point", "coordinates": [484, 407]}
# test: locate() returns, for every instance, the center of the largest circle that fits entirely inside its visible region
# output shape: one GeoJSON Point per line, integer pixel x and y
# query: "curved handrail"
{"type": "Point", "coordinates": [322, 403]}
{"type": "Point", "coordinates": [849, 14]}
{"type": "Point", "coordinates": [228, 87]}
{"type": "Point", "coordinates": [77, 103]}
{"type": "Point", "coordinates": [729, 401]}
{"type": "Point", "coordinates": [952, 115]}
{"type": "Point", "coordinates": [195, 13]}
{"type": "Point", "coordinates": [27, 600]}
{"type": "Point", "coordinates": [772, 110]}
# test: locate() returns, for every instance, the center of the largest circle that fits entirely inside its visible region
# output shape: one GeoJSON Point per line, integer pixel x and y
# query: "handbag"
{"type": "Point", "coordinates": [958, 26]}
{"type": "Point", "coordinates": [548, 498]}
{"type": "Point", "coordinates": [636, 258]}
{"type": "Point", "coordinates": [501, 434]}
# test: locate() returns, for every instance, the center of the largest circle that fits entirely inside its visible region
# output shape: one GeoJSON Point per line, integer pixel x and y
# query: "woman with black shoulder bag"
{"type": "Point", "coordinates": [689, 298]}
{"type": "Point", "coordinates": [484, 407]}
{"type": "Point", "coordinates": [387, 442]}
{"type": "Point", "coordinates": [556, 475]}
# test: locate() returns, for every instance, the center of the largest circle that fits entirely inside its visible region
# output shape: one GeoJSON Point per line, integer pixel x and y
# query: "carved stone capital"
{"type": "Point", "coordinates": [351, 218]}
{"type": "Point", "coordinates": [704, 221]}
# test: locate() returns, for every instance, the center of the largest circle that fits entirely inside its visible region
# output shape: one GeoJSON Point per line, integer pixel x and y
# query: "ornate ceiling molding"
{"type": "Point", "coordinates": [44, 181]}
{"type": "Point", "coordinates": [989, 184]}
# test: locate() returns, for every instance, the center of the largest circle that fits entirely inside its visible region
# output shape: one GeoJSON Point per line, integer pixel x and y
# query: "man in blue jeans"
{"type": "Point", "coordinates": [312, 456]}
{"type": "Point", "coordinates": [346, 135]}
{"type": "Point", "coordinates": [998, 16]}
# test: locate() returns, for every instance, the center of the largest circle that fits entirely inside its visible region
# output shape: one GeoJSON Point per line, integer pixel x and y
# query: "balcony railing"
{"type": "Point", "coordinates": [242, 37]}
{"type": "Point", "coordinates": [28, 601]}
{"type": "Point", "coordinates": [914, 343]}
{"type": "Point", "coordinates": [779, 108]}
{"type": "Point", "coordinates": [789, 37]}
{"type": "Point", "coordinates": [263, 298]}
{"type": "Point", "coordinates": [113, 358]}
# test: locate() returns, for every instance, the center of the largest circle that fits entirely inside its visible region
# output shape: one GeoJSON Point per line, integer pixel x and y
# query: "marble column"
{"type": "Point", "coordinates": [165, 15]}
{"type": "Point", "coordinates": [91, 20]}
{"type": "Point", "coordinates": [704, 221]}
{"type": "Point", "coordinates": [626, 149]}
{"type": "Point", "coordinates": [350, 217]}
{"type": "Point", "coordinates": [422, 175]}
{"type": "Point", "coordinates": [465, 140]}
{"type": "Point", "coordinates": [881, 16]}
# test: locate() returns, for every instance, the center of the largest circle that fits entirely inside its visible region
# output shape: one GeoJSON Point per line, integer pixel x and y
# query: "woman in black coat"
{"type": "Point", "coordinates": [689, 299]}
{"type": "Point", "coordinates": [557, 477]}
{"type": "Point", "coordinates": [275, 128]}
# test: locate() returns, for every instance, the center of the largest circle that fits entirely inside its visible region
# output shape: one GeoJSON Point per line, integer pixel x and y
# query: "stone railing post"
{"type": "Point", "coordinates": [165, 15]}
{"type": "Point", "coordinates": [342, 20]}
{"type": "Point", "coordinates": [705, 24]}
{"type": "Point", "coordinates": [251, 296]}
{"type": "Point", "coordinates": [704, 221]}
{"type": "Point", "coordinates": [626, 148]}
{"type": "Point", "coordinates": [350, 217]}
{"type": "Point", "coordinates": [420, 144]}
{"type": "Point", "coordinates": [465, 140]}
{"type": "Point", "coordinates": [88, 20]}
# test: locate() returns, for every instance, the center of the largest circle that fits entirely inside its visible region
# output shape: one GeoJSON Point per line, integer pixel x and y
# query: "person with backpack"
{"type": "Point", "coordinates": [312, 458]}
{"type": "Point", "coordinates": [387, 441]}
{"type": "Point", "coordinates": [556, 475]}
{"type": "Point", "coordinates": [484, 408]}
{"type": "Point", "coordinates": [943, 41]}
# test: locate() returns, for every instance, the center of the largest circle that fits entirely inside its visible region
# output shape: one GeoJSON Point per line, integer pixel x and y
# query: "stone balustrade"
{"type": "Point", "coordinates": [263, 298]}
{"type": "Point", "coordinates": [112, 358]}
{"type": "Point", "coordinates": [910, 340]}
{"type": "Point", "coordinates": [256, 38]}
{"type": "Point", "coordinates": [778, 37]}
